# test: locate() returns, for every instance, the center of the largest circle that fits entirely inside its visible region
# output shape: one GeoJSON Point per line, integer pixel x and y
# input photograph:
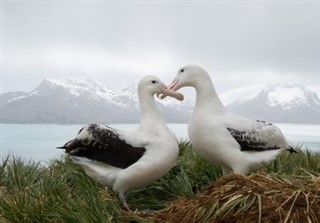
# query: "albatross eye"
{"type": "Point", "coordinates": [182, 70]}
{"type": "Point", "coordinates": [153, 82]}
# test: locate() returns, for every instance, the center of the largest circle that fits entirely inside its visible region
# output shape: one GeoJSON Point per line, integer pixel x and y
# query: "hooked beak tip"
{"type": "Point", "coordinates": [162, 96]}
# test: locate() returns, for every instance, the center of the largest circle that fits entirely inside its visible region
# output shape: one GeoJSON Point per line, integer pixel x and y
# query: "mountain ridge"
{"type": "Point", "coordinates": [290, 102]}
{"type": "Point", "coordinates": [75, 101]}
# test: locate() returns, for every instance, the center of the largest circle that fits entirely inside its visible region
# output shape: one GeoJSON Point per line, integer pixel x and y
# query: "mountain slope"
{"type": "Point", "coordinates": [83, 101]}
{"type": "Point", "coordinates": [278, 103]}
{"type": "Point", "coordinates": [80, 101]}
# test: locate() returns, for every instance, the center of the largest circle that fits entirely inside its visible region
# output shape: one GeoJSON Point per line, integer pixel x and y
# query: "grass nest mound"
{"type": "Point", "coordinates": [259, 197]}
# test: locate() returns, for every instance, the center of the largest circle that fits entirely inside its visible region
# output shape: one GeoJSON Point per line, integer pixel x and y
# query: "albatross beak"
{"type": "Point", "coordinates": [174, 84]}
{"type": "Point", "coordinates": [167, 91]}
{"type": "Point", "coordinates": [172, 87]}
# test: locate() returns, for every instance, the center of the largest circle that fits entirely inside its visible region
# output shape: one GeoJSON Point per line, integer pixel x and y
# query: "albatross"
{"type": "Point", "coordinates": [127, 159]}
{"type": "Point", "coordinates": [235, 143]}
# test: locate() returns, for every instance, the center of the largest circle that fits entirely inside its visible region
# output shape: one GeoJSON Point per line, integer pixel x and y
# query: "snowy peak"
{"type": "Point", "coordinates": [130, 90]}
{"type": "Point", "coordinates": [128, 93]}
{"type": "Point", "coordinates": [80, 101]}
{"type": "Point", "coordinates": [241, 94]}
{"type": "Point", "coordinates": [286, 96]}
{"type": "Point", "coordinates": [291, 96]}
{"type": "Point", "coordinates": [78, 87]}
{"type": "Point", "coordinates": [277, 103]}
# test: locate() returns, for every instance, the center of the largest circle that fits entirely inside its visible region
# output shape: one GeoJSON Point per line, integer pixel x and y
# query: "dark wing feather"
{"type": "Point", "coordinates": [250, 140]}
{"type": "Point", "coordinates": [103, 144]}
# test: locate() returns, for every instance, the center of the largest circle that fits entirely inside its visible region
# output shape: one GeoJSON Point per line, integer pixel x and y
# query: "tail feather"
{"type": "Point", "coordinates": [61, 147]}
{"type": "Point", "coordinates": [291, 149]}
{"type": "Point", "coordinates": [70, 145]}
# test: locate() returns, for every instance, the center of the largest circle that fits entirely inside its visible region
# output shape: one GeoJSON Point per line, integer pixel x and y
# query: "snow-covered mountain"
{"type": "Point", "coordinates": [82, 101]}
{"type": "Point", "coordinates": [275, 103]}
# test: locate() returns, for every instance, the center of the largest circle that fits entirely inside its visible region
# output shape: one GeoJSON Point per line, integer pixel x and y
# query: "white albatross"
{"type": "Point", "coordinates": [235, 143]}
{"type": "Point", "coordinates": [124, 159]}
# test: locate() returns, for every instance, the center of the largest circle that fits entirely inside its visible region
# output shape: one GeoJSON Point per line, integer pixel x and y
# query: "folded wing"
{"type": "Point", "coordinates": [104, 144]}
{"type": "Point", "coordinates": [260, 137]}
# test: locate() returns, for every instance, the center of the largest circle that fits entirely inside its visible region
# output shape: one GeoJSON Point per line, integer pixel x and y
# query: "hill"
{"type": "Point", "coordinates": [289, 103]}
{"type": "Point", "coordinates": [70, 101]}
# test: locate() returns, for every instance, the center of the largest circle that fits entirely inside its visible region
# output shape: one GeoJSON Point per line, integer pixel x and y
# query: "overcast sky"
{"type": "Point", "coordinates": [239, 43]}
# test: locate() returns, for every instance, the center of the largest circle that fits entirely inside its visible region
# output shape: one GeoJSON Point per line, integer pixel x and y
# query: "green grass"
{"type": "Point", "coordinates": [62, 192]}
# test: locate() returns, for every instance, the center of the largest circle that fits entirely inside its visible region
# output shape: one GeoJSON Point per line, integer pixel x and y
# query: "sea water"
{"type": "Point", "coordinates": [39, 141]}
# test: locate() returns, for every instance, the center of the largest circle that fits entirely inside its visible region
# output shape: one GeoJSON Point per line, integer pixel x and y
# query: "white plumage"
{"type": "Point", "coordinates": [236, 143]}
{"type": "Point", "coordinates": [125, 159]}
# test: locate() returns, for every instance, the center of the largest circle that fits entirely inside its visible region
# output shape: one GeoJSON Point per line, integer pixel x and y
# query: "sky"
{"type": "Point", "coordinates": [116, 43]}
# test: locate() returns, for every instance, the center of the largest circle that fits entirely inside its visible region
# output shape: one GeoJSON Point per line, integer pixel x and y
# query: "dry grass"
{"type": "Point", "coordinates": [235, 198]}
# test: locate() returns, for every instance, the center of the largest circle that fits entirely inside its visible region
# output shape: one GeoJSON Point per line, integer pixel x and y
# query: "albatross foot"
{"type": "Point", "coordinates": [126, 207]}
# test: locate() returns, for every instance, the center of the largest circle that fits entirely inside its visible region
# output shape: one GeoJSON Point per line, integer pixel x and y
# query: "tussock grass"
{"type": "Point", "coordinates": [193, 191]}
{"type": "Point", "coordinates": [260, 197]}
{"type": "Point", "coordinates": [60, 192]}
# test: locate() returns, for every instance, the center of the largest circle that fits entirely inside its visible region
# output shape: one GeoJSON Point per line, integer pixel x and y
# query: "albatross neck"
{"type": "Point", "coordinates": [149, 113]}
{"type": "Point", "coordinates": [207, 99]}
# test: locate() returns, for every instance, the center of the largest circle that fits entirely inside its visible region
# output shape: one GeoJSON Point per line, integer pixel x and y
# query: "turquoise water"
{"type": "Point", "coordinates": [39, 141]}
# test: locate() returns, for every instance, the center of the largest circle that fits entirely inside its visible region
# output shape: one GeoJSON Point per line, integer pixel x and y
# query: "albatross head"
{"type": "Point", "coordinates": [153, 85]}
{"type": "Point", "coordinates": [188, 75]}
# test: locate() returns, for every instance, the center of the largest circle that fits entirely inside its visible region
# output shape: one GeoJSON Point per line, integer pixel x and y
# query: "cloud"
{"type": "Point", "coordinates": [88, 60]}
{"type": "Point", "coordinates": [237, 42]}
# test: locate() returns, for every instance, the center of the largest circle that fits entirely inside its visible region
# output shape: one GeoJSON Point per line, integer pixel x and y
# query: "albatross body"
{"type": "Point", "coordinates": [124, 159]}
{"type": "Point", "coordinates": [235, 143]}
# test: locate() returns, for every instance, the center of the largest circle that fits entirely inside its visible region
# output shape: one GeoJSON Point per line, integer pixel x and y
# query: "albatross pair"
{"type": "Point", "coordinates": [124, 159]}
{"type": "Point", "coordinates": [129, 159]}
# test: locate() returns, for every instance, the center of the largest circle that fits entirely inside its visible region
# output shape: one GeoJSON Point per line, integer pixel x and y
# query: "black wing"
{"type": "Point", "coordinates": [102, 143]}
{"type": "Point", "coordinates": [252, 140]}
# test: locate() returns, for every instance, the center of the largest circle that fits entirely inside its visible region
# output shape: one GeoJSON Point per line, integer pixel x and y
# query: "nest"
{"type": "Point", "coordinates": [257, 198]}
